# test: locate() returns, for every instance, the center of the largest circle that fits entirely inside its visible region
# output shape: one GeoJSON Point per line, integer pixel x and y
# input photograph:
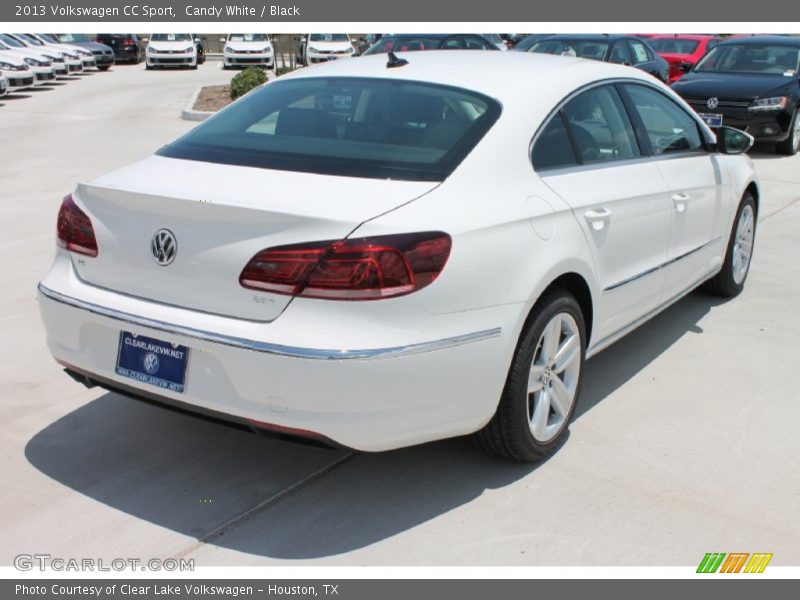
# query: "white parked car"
{"type": "Point", "coordinates": [387, 252]}
{"type": "Point", "coordinates": [323, 47]}
{"type": "Point", "coordinates": [41, 67]}
{"type": "Point", "coordinates": [86, 57]}
{"type": "Point", "coordinates": [17, 72]}
{"type": "Point", "coordinates": [72, 59]}
{"type": "Point", "coordinates": [171, 50]}
{"type": "Point", "coordinates": [50, 58]}
{"type": "Point", "coordinates": [248, 50]}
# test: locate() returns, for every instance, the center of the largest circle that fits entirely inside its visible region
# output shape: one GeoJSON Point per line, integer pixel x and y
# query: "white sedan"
{"type": "Point", "coordinates": [381, 253]}
{"type": "Point", "coordinates": [247, 50]}
{"type": "Point", "coordinates": [323, 47]}
{"type": "Point", "coordinates": [72, 59]}
{"type": "Point", "coordinates": [171, 50]}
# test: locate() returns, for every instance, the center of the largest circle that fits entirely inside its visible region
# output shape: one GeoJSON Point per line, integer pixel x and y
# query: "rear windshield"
{"type": "Point", "coordinates": [404, 44]}
{"type": "Point", "coordinates": [674, 46]}
{"type": "Point", "coordinates": [753, 59]}
{"type": "Point", "coordinates": [356, 127]}
{"type": "Point", "coordinates": [580, 48]}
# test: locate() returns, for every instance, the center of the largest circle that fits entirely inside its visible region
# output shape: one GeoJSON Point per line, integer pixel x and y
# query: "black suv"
{"type": "Point", "coordinates": [128, 47]}
{"type": "Point", "coordinates": [752, 84]}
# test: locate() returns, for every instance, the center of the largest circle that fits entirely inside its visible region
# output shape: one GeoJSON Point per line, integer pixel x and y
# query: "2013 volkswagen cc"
{"type": "Point", "coordinates": [389, 250]}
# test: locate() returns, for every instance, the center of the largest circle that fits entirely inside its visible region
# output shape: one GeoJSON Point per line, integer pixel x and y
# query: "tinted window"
{"type": "Point", "coordinates": [476, 43]}
{"type": "Point", "coordinates": [668, 126]}
{"type": "Point", "coordinates": [553, 147]}
{"type": "Point", "coordinates": [600, 126]}
{"type": "Point", "coordinates": [405, 44]}
{"type": "Point", "coordinates": [453, 43]}
{"type": "Point", "coordinates": [357, 127]}
{"type": "Point", "coordinates": [328, 37]}
{"type": "Point", "coordinates": [581, 48]}
{"type": "Point", "coordinates": [674, 45]}
{"type": "Point", "coordinates": [619, 54]}
{"type": "Point", "coordinates": [752, 58]}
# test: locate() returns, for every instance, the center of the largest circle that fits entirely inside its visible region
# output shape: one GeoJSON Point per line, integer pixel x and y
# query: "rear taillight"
{"type": "Point", "coordinates": [129, 42]}
{"type": "Point", "coordinates": [74, 229]}
{"type": "Point", "coordinates": [352, 269]}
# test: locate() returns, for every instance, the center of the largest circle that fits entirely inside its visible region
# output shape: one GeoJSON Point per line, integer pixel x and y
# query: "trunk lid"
{"type": "Point", "coordinates": [220, 217]}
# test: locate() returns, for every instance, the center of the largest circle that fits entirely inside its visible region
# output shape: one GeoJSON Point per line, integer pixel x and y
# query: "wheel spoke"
{"type": "Point", "coordinates": [550, 339]}
{"type": "Point", "coordinates": [535, 378]}
{"type": "Point", "coordinates": [560, 398]}
{"type": "Point", "coordinates": [567, 353]}
{"type": "Point", "coordinates": [541, 411]}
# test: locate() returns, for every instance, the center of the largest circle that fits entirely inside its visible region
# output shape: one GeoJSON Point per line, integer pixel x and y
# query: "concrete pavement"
{"type": "Point", "coordinates": [685, 442]}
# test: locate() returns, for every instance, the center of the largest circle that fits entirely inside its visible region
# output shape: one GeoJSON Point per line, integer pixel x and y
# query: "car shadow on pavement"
{"type": "Point", "coordinates": [194, 477]}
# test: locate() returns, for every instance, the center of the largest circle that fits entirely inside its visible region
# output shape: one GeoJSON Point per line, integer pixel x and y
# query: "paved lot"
{"type": "Point", "coordinates": [686, 441]}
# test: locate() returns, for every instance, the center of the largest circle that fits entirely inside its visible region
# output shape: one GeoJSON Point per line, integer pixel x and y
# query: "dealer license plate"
{"type": "Point", "coordinates": [711, 119]}
{"type": "Point", "coordinates": [152, 361]}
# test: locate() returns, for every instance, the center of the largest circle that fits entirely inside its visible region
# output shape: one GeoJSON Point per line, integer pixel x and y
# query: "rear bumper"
{"type": "Point", "coordinates": [400, 393]}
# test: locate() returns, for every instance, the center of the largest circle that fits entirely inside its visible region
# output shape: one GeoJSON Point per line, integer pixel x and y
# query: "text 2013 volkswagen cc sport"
{"type": "Point", "coordinates": [389, 250]}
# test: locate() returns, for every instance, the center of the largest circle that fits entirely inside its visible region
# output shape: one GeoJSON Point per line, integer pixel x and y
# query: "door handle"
{"type": "Point", "coordinates": [680, 200]}
{"type": "Point", "coordinates": [597, 218]}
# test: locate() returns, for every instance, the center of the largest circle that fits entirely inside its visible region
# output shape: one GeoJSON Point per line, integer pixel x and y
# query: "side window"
{"type": "Point", "coordinates": [452, 44]}
{"type": "Point", "coordinates": [669, 127]}
{"type": "Point", "coordinates": [553, 148]}
{"type": "Point", "coordinates": [601, 127]}
{"type": "Point", "coordinates": [639, 52]}
{"type": "Point", "coordinates": [619, 54]}
{"type": "Point", "coordinates": [711, 45]}
{"type": "Point", "coordinates": [474, 43]}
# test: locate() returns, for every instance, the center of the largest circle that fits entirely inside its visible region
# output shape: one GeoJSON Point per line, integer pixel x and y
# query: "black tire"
{"type": "Point", "coordinates": [723, 283]}
{"type": "Point", "coordinates": [791, 145]}
{"type": "Point", "coordinates": [508, 434]}
{"type": "Point", "coordinates": [104, 67]}
{"type": "Point", "coordinates": [148, 67]}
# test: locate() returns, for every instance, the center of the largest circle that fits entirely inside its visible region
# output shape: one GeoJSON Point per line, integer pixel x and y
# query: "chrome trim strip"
{"type": "Point", "coordinates": [661, 266]}
{"type": "Point", "coordinates": [610, 339]}
{"type": "Point", "coordinates": [266, 347]}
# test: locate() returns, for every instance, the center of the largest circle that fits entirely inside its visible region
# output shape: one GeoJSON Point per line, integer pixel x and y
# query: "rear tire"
{"type": "Point", "coordinates": [543, 383]}
{"type": "Point", "coordinates": [104, 68]}
{"type": "Point", "coordinates": [729, 282]}
{"type": "Point", "coordinates": [791, 145]}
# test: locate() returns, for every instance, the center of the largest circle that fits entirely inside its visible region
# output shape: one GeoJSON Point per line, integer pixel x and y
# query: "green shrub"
{"type": "Point", "coordinates": [245, 81]}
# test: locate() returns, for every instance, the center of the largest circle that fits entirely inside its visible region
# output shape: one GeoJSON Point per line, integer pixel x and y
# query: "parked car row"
{"type": "Point", "coordinates": [28, 60]}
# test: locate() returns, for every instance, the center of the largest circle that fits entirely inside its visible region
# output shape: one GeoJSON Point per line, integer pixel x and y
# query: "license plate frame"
{"type": "Point", "coordinates": [152, 361]}
{"type": "Point", "coordinates": [711, 119]}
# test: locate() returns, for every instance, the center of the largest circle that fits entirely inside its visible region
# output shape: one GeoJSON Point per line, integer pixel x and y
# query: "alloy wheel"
{"type": "Point", "coordinates": [553, 378]}
{"type": "Point", "coordinates": [743, 245]}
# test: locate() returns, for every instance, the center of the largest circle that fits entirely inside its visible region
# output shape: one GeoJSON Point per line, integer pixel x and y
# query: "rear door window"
{"type": "Point", "coordinates": [600, 126]}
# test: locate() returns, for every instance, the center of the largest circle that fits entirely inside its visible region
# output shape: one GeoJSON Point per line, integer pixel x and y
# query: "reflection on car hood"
{"type": "Point", "coordinates": [330, 46]}
{"type": "Point", "coordinates": [160, 46]}
{"type": "Point", "coordinates": [250, 46]}
{"type": "Point", "coordinates": [728, 85]}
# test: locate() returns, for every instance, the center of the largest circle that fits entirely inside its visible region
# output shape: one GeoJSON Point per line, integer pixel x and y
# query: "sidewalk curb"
{"type": "Point", "coordinates": [189, 113]}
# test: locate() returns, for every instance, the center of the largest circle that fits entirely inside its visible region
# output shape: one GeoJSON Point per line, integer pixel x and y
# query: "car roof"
{"type": "Point", "coordinates": [510, 77]}
{"type": "Point", "coordinates": [590, 37]}
{"type": "Point", "coordinates": [760, 40]}
{"type": "Point", "coordinates": [697, 37]}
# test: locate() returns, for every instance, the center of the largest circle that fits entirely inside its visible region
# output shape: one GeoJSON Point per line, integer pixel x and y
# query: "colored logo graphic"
{"type": "Point", "coordinates": [735, 562]}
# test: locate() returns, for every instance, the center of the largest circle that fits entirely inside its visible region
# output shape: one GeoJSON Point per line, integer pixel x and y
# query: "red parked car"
{"type": "Point", "coordinates": [682, 51]}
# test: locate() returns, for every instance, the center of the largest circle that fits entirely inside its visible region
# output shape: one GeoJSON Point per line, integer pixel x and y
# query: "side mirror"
{"type": "Point", "coordinates": [733, 141]}
{"type": "Point", "coordinates": [686, 67]}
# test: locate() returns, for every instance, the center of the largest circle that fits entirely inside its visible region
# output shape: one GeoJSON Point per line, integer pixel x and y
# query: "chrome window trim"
{"type": "Point", "coordinates": [613, 81]}
{"type": "Point", "coordinates": [267, 347]}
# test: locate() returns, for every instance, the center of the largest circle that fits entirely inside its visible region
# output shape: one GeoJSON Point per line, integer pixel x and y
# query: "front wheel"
{"type": "Point", "coordinates": [729, 282]}
{"type": "Point", "coordinates": [791, 145]}
{"type": "Point", "coordinates": [543, 383]}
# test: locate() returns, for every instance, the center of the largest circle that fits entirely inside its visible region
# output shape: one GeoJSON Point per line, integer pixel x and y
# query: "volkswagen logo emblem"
{"type": "Point", "coordinates": [151, 363]}
{"type": "Point", "coordinates": [712, 103]}
{"type": "Point", "coordinates": [164, 247]}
